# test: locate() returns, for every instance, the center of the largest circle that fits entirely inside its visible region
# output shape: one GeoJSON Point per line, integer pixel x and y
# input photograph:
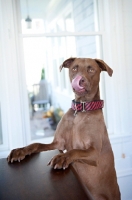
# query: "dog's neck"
{"type": "Point", "coordinates": [87, 103]}
{"type": "Point", "coordinates": [86, 106]}
{"type": "Point", "coordinates": [88, 98]}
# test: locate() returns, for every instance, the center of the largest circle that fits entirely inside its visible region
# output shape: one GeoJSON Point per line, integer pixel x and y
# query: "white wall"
{"type": "Point", "coordinates": [12, 78]}
{"type": "Point", "coordinates": [117, 26]}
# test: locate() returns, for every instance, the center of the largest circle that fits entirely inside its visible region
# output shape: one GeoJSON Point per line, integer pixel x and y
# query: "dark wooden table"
{"type": "Point", "coordinates": [32, 179]}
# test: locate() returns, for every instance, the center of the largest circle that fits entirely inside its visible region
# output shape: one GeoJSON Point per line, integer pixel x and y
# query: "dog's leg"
{"type": "Point", "coordinates": [63, 160]}
{"type": "Point", "coordinates": [20, 153]}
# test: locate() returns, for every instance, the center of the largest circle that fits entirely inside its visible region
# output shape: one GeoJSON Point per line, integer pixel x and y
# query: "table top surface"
{"type": "Point", "coordinates": [32, 179]}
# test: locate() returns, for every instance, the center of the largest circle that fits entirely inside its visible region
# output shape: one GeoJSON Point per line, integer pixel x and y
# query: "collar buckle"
{"type": "Point", "coordinates": [83, 106]}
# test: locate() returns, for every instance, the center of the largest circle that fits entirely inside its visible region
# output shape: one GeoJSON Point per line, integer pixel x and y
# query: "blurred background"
{"type": "Point", "coordinates": [36, 36]}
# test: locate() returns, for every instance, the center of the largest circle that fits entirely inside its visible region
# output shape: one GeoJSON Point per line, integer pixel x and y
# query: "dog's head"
{"type": "Point", "coordinates": [84, 75]}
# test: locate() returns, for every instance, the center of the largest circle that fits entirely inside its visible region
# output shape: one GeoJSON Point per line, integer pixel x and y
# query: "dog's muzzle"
{"type": "Point", "coordinates": [76, 84]}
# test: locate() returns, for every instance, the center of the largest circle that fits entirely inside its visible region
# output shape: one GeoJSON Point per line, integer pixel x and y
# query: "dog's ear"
{"type": "Point", "coordinates": [67, 63]}
{"type": "Point", "coordinates": [104, 66]}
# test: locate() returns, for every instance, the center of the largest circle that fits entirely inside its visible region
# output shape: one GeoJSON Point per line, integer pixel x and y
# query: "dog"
{"type": "Point", "coordinates": [81, 134]}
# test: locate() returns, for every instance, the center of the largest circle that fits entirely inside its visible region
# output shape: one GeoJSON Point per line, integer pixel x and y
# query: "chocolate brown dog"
{"type": "Point", "coordinates": [82, 133]}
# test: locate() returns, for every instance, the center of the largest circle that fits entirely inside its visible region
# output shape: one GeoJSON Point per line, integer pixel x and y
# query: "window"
{"type": "Point", "coordinates": [59, 30]}
{"type": "Point", "coordinates": [54, 37]}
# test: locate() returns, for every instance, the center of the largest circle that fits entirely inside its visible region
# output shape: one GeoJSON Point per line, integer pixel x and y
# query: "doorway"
{"type": "Point", "coordinates": [50, 37]}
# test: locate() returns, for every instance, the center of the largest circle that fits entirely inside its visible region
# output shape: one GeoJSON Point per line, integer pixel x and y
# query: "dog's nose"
{"type": "Point", "coordinates": [82, 81]}
{"type": "Point", "coordinates": [77, 82]}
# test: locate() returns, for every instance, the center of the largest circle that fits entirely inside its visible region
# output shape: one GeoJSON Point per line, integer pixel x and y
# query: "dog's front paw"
{"type": "Point", "coordinates": [16, 155]}
{"type": "Point", "coordinates": [60, 161]}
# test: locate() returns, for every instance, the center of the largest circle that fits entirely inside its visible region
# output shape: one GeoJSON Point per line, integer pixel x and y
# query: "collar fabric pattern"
{"type": "Point", "coordinates": [87, 106]}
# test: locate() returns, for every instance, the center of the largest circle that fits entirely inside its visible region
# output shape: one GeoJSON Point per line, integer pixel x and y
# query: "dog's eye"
{"type": "Point", "coordinates": [91, 70]}
{"type": "Point", "coordinates": [74, 69]}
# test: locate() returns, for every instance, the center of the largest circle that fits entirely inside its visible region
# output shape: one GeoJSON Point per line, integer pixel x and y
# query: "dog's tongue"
{"type": "Point", "coordinates": [75, 84]}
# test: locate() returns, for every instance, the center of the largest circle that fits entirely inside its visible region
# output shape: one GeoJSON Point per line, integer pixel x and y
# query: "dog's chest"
{"type": "Point", "coordinates": [81, 128]}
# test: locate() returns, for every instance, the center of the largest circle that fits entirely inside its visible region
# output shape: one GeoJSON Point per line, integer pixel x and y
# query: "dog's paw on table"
{"type": "Point", "coordinates": [16, 155]}
{"type": "Point", "coordinates": [60, 161]}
